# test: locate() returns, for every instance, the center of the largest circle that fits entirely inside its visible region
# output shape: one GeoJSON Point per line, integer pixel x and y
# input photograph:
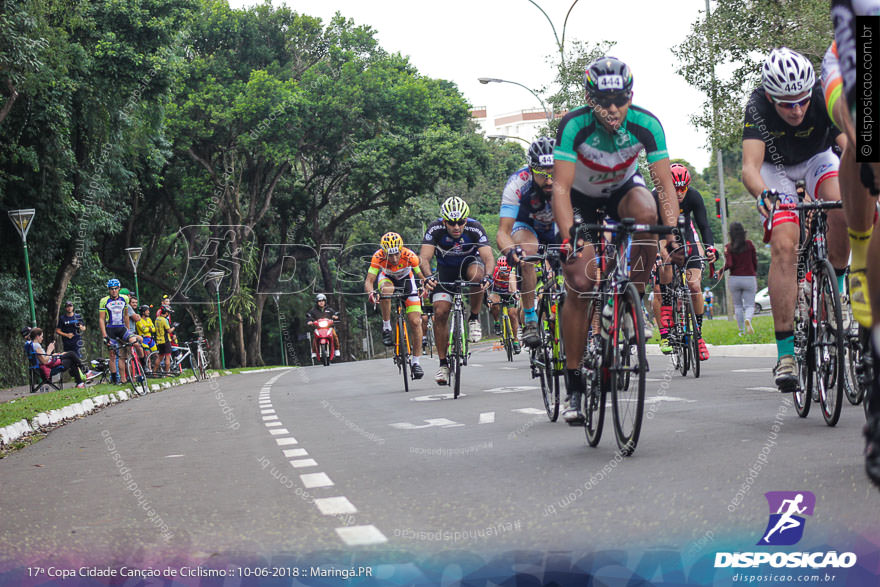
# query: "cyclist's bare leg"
{"type": "Point", "coordinates": [123, 372]}
{"type": "Point", "coordinates": [415, 328]}
{"type": "Point", "coordinates": [113, 359]}
{"type": "Point", "coordinates": [694, 280]}
{"type": "Point", "coordinates": [782, 280]}
{"type": "Point", "coordinates": [494, 307]}
{"type": "Point", "coordinates": [838, 238]}
{"type": "Point", "coordinates": [529, 244]}
{"type": "Point", "coordinates": [476, 272]}
{"type": "Point", "coordinates": [514, 321]}
{"type": "Point", "coordinates": [441, 326]}
{"type": "Point", "coordinates": [580, 277]}
{"type": "Point", "coordinates": [386, 288]}
{"type": "Point", "coordinates": [638, 203]}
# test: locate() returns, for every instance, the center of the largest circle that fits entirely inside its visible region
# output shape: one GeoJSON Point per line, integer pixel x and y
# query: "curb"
{"type": "Point", "coordinates": [44, 421]}
{"type": "Point", "coordinates": [732, 350]}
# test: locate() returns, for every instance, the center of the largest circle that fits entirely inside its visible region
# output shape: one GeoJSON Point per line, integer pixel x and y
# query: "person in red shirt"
{"type": "Point", "coordinates": [742, 261]}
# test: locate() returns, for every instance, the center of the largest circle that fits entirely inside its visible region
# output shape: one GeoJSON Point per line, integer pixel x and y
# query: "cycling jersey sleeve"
{"type": "Point", "coordinates": [701, 219]}
{"type": "Point", "coordinates": [754, 119]}
{"type": "Point", "coordinates": [571, 124]}
{"type": "Point", "coordinates": [647, 129]}
{"type": "Point", "coordinates": [377, 262]}
{"type": "Point", "coordinates": [512, 194]}
{"type": "Point", "coordinates": [431, 233]}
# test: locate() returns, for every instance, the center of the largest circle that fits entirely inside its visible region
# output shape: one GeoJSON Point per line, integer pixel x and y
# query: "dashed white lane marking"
{"type": "Point", "coordinates": [300, 463]}
{"type": "Point", "coordinates": [286, 441]}
{"type": "Point", "coordinates": [361, 535]}
{"type": "Point", "coordinates": [268, 418]}
{"type": "Point", "coordinates": [762, 370]}
{"type": "Point", "coordinates": [773, 389]}
{"type": "Point", "coordinates": [172, 456]}
{"type": "Point", "coordinates": [312, 480]}
{"type": "Point", "coordinates": [295, 452]}
{"type": "Point", "coordinates": [434, 397]}
{"type": "Point", "coordinates": [279, 431]}
{"type": "Point", "coordinates": [331, 506]}
{"type": "Point", "coordinates": [487, 417]}
{"type": "Point", "coordinates": [529, 411]}
{"type": "Point", "coordinates": [271, 424]}
{"type": "Point", "coordinates": [264, 412]}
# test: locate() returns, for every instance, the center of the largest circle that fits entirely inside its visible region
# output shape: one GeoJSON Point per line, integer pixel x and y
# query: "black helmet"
{"type": "Point", "coordinates": [608, 75]}
{"type": "Point", "coordinates": [541, 152]}
{"type": "Point", "coordinates": [143, 308]}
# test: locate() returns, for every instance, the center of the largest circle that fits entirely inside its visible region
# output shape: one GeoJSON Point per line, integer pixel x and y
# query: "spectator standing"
{"type": "Point", "coordinates": [70, 328]}
{"type": "Point", "coordinates": [742, 260]}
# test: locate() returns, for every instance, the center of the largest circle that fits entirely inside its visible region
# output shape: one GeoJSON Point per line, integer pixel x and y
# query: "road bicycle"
{"type": "Point", "coordinates": [183, 357]}
{"type": "Point", "coordinates": [615, 360]}
{"type": "Point", "coordinates": [402, 345]}
{"type": "Point", "coordinates": [428, 341]}
{"type": "Point", "coordinates": [819, 334]}
{"type": "Point", "coordinates": [137, 377]}
{"type": "Point", "coordinates": [547, 360]}
{"type": "Point", "coordinates": [457, 352]}
{"type": "Point", "coordinates": [508, 302]}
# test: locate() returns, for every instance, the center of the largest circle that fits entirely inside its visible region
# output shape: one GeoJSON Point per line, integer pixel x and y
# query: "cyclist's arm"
{"type": "Point", "coordinates": [841, 141]}
{"type": "Point", "coordinates": [504, 238]}
{"type": "Point", "coordinates": [753, 158]}
{"type": "Point", "coordinates": [101, 323]}
{"type": "Point", "coordinates": [662, 176]}
{"type": "Point", "coordinates": [486, 256]}
{"type": "Point", "coordinates": [701, 219]}
{"type": "Point", "coordinates": [563, 178]}
{"type": "Point", "coordinates": [513, 282]}
{"type": "Point", "coordinates": [370, 281]}
{"type": "Point", "coordinates": [426, 253]}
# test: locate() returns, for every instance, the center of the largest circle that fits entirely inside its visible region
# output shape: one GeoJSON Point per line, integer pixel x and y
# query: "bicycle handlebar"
{"type": "Point", "coordinates": [821, 205]}
{"type": "Point", "coordinates": [629, 228]}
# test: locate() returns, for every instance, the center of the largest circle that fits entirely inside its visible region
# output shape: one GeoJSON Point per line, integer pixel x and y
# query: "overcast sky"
{"type": "Point", "coordinates": [462, 40]}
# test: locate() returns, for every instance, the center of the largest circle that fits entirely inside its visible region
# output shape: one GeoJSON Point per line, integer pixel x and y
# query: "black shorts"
{"type": "Point", "coordinates": [164, 348]}
{"type": "Point", "coordinates": [450, 273]}
{"type": "Point", "coordinates": [594, 210]}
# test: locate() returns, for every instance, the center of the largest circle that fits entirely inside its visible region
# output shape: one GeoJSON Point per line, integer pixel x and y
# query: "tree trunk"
{"type": "Point", "coordinates": [255, 333]}
{"type": "Point", "coordinates": [239, 332]}
{"type": "Point", "coordinates": [70, 264]}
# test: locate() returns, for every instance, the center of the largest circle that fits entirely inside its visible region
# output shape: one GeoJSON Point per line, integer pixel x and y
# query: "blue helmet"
{"type": "Point", "coordinates": [113, 283]}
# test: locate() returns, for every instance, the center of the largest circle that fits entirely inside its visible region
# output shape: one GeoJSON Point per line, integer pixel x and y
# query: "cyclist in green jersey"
{"type": "Point", "coordinates": [596, 169]}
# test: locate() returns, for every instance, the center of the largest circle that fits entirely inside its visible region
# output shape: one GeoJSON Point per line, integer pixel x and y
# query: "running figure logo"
{"type": "Point", "coordinates": [786, 524]}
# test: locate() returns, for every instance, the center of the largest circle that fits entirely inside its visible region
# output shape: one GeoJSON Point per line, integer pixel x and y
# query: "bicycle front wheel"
{"type": "Point", "coordinates": [627, 370]}
{"type": "Point", "coordinates": [803, 354]}
{"type": "Point", "coordinates": [402, 348]}
{"type": "Point", "coordinates": [136, 376]}
{"type": "Point", "coordinates": [455, 356]}
{"type": "Point", "coordinates": [693, 336]}
{"type": "Point", "coordinates": [828, 348]}
{"type": "Point", "coordinates": [543, 355]}
{"type": "Point", "coordinates": [507, 336]}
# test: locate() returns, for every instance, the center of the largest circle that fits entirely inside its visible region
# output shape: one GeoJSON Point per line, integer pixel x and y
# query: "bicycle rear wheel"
{"type": "Point", "coordinates": [803, 354]}
{"type": "Point", "coordinates": [507, 336]}
{"type": "Point", "coordinates": [828, 345]}
{"type": "Point", "coordinates": [137, 378]}
{"type": "Point", "coordinates": [402, 344]}
{"type": "Point", "coordinates": [596, 379]}
{"type": "Point", "coordinates": [627, 370]}
{"type": "Point", "coordinates": [544, 362]}
{"type": "Point", "coordinates": [677, 335]}
{"type": "Point", "coordinates": [693, 336]}
{"type": "Point", "coordinates": [455, 356]}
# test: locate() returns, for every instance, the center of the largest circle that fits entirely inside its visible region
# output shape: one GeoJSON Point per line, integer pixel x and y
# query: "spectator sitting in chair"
{"type": "Point", "coordinates": [48, 361]}
{"type": "Point", "coordinates": [70, 326]}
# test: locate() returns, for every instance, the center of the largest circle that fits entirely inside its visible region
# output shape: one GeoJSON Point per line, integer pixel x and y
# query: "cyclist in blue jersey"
{"type": "Point", "coordinates": [526, 220]}
{"type": "Point", "coordinates": [463, 252]}
{"type": "Point", "coordinates": [596, 173]}
{"type": "Point", "coordinates": [114, 319]}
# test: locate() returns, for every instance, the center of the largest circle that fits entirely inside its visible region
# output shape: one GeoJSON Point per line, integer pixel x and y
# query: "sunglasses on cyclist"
{"type": "Point", "coordinates": [606, 100]}
{"type": "Point", "coordinates": [461, 222]}
{"type": "Point", "coordinates": [790, 104]}
{"type": "Point", "coordinates": [545, 173]}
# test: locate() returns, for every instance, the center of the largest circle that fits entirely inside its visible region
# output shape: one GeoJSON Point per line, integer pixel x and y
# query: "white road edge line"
{"type": "Point", "coordinates": [332, 506]}
{"type": "Point", "coordinates": [361, 535]}
{"type": "Point", "coordinates": [312, 480]}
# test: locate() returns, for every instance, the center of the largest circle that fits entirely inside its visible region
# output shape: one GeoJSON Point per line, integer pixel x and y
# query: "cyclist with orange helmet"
{"type": "Point", "coordinates": [691, 205]}
{"type": "Point", "coordinates": [395, 267]}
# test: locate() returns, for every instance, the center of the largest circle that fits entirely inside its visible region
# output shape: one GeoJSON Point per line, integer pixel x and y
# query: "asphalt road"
{"type": "Point", "coordinates": [340, 458]}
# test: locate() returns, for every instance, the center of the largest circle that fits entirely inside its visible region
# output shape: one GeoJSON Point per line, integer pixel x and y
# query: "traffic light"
{"type": "Point", "coordinates": [718, 207]}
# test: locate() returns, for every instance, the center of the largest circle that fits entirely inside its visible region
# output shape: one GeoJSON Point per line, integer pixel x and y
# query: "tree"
{"type": "Point", "coordinates": [735, 39]}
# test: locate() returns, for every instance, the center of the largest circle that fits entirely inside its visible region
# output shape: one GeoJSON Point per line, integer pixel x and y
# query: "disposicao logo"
{"type": "Point", "coordinates": [786, 524]}
{"type": "Point", "coordinates": [786, 528]}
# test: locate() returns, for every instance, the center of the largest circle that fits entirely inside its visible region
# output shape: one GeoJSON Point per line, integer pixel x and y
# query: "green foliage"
{"type": "Point", "coordinates": [733, 43]}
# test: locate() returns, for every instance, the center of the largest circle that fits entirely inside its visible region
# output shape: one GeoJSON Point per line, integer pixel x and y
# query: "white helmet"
{"type": "Point", "coordinates": [787, 73]}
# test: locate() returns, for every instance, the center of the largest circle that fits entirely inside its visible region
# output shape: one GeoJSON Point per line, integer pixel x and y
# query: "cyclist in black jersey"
{"type": "Point", "coordinates": [596, 167]}
{"type": "Point", "coordinates": [463, 252]}
{"type": "Point", "coordinates": [693, 208]}
{"type": "Point", "coordinates": [860, 186]}
{"type": "Point", "coordinates": [787, 137]}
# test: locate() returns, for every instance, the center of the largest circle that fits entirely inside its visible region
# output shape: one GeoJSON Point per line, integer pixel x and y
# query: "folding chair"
{"type": "Point", "coordinates": [37, 380]}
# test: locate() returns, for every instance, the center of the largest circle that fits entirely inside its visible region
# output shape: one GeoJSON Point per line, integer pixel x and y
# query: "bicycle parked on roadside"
{"type": "Point", "coordinates": [615, 360]}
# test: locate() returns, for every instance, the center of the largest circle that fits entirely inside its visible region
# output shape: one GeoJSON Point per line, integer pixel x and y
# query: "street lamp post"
{"type": "Point", "coordinates": [495, 80]}
{"type": "Point", "coordinates": [277, 297]}
{"type": "Point", "coordinates": [22, 220]}
{"type": "Point", "coordinates": [215, 277]}
{"type": "Point", "coordinates": [134, 255]}
{"type": "Point", "coordinates": [560, 44]}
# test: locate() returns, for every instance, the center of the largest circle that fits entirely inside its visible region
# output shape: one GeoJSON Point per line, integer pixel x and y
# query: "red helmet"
{"type": "Point", "coordinates": [502, 262]}
{"type": "Point", "coordinates": [681, 177]}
